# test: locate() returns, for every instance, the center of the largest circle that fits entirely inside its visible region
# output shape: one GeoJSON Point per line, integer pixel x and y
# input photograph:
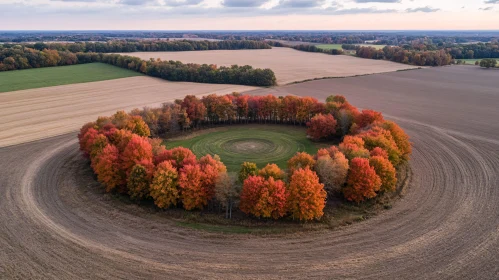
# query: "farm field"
{"type": "Point", "coordinates": [444, 226]}
{"type": "Point", "coordinates": [32, 114]}
{"type": "Point", "coordinates": [338, 46]}
{"type": "Point", "coordinates": [256, 143]}
{"type": "Point", "coordinates": [289, 65]}
{"type": "Point", "coordinates": [63, 75]}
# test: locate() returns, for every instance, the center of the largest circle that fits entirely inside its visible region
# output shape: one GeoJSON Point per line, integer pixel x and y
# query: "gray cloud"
{"type": "Point", "coordinates": [300, 3]}
{"type": "Point", "coordinates": [426, 9]}
{"type": "Point", "coordinates": [486, 8]}
{"type": "Point", "coordinates": [244, 3]}
{"type": "Point", "coordinates": [180, 3]}
{"type": "Point", "coordinates": [492, 2]}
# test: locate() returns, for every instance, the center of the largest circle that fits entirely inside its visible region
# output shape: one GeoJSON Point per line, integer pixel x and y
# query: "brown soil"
{"type": "Point", "coordinates": [33, 114]}
{"type": "Point", "coordinates": [289, 65]}
{"type": "Point", "coordinates": [445, 226]}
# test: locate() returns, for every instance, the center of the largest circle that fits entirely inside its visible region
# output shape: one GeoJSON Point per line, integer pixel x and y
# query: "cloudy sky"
{"type": "Point", "coordinates": [249, 14]}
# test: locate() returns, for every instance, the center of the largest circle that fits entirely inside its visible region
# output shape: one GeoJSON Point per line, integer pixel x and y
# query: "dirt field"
{"type": "Point", "coordinates": [445, 226]}
{"type": "Point", "coordinates": [33, 114]}
{"type": "Point", "coordinates": [288, 64]}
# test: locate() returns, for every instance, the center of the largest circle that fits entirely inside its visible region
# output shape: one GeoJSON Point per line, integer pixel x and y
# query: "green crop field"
{"type": "Point", "coordinates": [338, 46]}
{"type": "Point", "coordinates": [260, 144]}
{"type": "Point", "coordinates": [62, 75]}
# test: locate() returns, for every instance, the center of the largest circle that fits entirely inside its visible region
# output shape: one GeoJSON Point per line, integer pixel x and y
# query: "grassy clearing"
{"type": "Point", "coordinates": [260, 144]}
{"type": "Point", "coordinates": [472, 61]}
{"type": "Point", "coordinates": [62, 75]}
{"type": "Point", "coordinates": [338, 46]}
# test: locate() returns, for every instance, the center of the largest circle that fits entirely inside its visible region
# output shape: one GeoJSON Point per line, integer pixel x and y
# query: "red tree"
{"type": "Point", "coordinates": [368, 117]}
{"type": "Point", "coordinates": [321, 126]}
{"type": "Point", "coordinates": [196, 111]}
{"type": "Point", "coordinates": [137, 150]}
{"type": "Point", "coordinates": [307, 197]}
{"type": "Point", "coordinates": [362, 182]}
{"type": "Point", "coordinates": [108, 168]}
{"type": "Point", "coordinates": [378, 152]}
{"type": "Point", "coordinates": [263, 197]}
{"type": "Point", "coordinates": [87, 140]}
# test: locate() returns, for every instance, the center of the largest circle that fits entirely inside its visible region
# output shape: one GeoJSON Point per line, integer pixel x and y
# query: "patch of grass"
{"type": "Point", "coordinates": [260, 144]}
{"type": "Point", "coordinates": [472, 61]}
{"type": "Point", "coordinates": [61, 75]}
{"type": "Point", "coordinates": [338, 46]}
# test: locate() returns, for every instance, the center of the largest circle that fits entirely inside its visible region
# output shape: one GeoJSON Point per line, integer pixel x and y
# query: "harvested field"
{"type": "Point", "coordinates": [40, 113]}
{"type": "Point", "coordinates": [444, 227]}
{"type": "Point", "coordinates": [289, 65]}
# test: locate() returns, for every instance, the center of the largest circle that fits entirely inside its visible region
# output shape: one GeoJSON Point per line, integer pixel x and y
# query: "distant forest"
{"type": "Point", "coordinates": [144, 46]}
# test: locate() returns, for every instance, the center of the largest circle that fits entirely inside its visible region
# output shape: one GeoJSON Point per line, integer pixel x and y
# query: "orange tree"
{"type": "Point", "coordinates": [306, 196]}
{"type": "Point", "coordinates": [264, 198]}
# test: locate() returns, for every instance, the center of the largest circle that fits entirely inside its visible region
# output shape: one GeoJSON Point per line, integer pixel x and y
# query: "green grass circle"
{"type": "Point", "coordinates": [261, 144]}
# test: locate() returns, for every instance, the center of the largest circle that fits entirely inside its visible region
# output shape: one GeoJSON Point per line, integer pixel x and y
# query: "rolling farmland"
{"type": "Point", "coordinates": [289, 65]}
{"type": "Point", "coordinates": [444, 227]}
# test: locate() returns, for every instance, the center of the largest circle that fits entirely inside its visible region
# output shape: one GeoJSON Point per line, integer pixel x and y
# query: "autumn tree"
{"type": "Point", "coordinates": [378, 152]}
{"type": "Point", "coordinates": [272, 170]}
{"type": "Point", "coordinates": [264, 198]}
{"type": "Point", "coordinates": [139, 180]}
{"type": "Point", "coordinates": [195, 109]}
{"type": "Point", "coordinates": [382, 138]}
{"type": "Point", "coordinates": [137, 150]}
{"type": "Point", "coordinates": [368, 117]}
{"type": "Point", "coordinates": [81, 140]}
{"type": "Point", "coordinates": [386, 172]}
{"type": "Point", "coordinates": [164, 188]}
{"type": "Point", "coordinates": [212, 167]}
{"type": "Point", "coordinates": [332, 171]}
{"type": "Point", "coordinates": [157, 146]}
{"type": "Point", "coordinates": [137, 126]}
{"type": "Point", "coordinates": [87, 140]}
{"type": "Point", "coordinates": [307, 197]}
{"type": "Point", "coordinates": [120, 119]}
{"type": "Point", "coordinates": [191, 184]}
{"type": "Point", "coordinates": [120, 138]}
{"type": "Point", "coordinates": [321, 127]}
{"type": "Point", "coordinates": [227, 192]}
{"type": "Point", "coordinates": [247, 169]}
{"type": "Point", "coordinates": [179, 157]}
{"type": "Point", "coordinates": [299, 161]}
{"type": "Point", "coordinates": [98, 145]}
{"type": "Point", "coordinates": [108, 168]}
{"type": "Point", "coordinates": [352, 147]}
{"type": "Point", "coordinates": [400, 137]}
{"type": "Point", "coordinates": [362, 182]}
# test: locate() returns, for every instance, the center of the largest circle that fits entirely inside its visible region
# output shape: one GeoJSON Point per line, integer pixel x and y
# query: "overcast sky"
{"type": "Point", "coordinates": [248, 14]}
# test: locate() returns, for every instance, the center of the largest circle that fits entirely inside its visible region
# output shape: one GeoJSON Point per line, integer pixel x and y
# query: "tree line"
{"type": "Point", "coordinates": [145, 46]}
{"type": "Point", "coordinates": [26, 58]}
{"type": "Point", "coordinates": [401, 55]}
{"type": "Point", "coordinates": [127, 160]}
{"type": "Point", "coordinates": [471, 51]}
